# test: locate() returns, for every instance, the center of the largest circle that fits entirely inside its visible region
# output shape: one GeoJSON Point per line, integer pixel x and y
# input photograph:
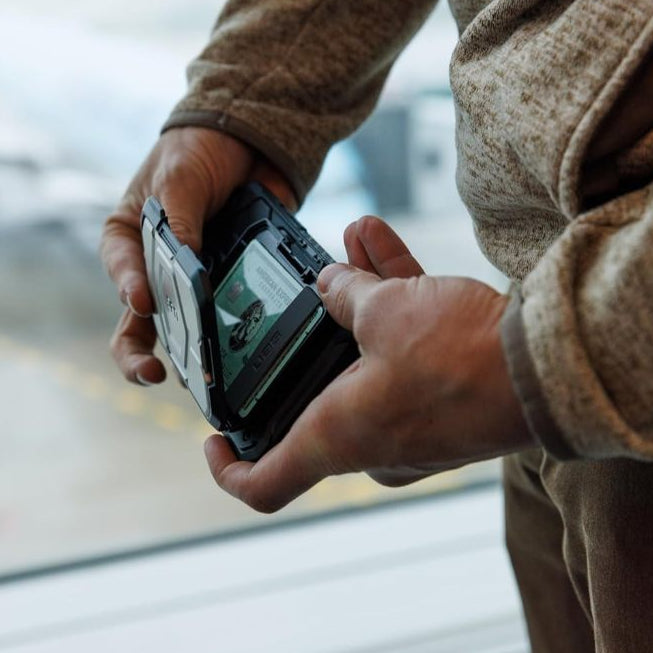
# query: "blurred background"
{"type": "Point", "coordinates": [90, 465]}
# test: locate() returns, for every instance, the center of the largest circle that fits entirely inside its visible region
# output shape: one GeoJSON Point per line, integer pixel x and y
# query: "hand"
{"type": "Point", "coordinates": [430, 391]}
{"type": "Point", "coordinates": [192, 171]}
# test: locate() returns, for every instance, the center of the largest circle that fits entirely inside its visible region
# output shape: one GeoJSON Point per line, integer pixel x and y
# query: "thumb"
{"type": "Point", "coordinates": [344, 288]}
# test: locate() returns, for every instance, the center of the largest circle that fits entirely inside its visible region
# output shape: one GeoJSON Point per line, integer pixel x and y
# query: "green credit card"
{"type": "Point", "coordinates": [248, 302]}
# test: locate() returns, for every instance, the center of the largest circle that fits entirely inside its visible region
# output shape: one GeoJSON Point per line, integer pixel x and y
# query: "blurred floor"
{"type": "Point", "coordinates": [88, 463]}
{"type": "Point", "coordinates": [432, 575]}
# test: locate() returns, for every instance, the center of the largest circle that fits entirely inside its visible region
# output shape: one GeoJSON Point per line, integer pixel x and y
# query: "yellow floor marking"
{"type": "Point", "coordinates": [169, 416]}
{"type": "Point", "coordinates": [28, 356]}
{"type": "Point", "coordinates": [129, 401]}
{"type": "Point", "coordinates": [358, 488]}
{"type": "Point", "coordinates": [93, 386]}
{"type": "Point", "coordinates": [203, 429]}
{"type": "Point", "coordinates": [65, 372]}
{"type": "Point", "coordinates": [134, 402]}
{"type": "Point", "coordinates": [361, 490]}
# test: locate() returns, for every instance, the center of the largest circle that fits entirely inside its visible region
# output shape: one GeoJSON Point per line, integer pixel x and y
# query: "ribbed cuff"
{"type": "Point", "coordinates": [527, 386]}
{"type": "Point", "coordinates": [243, 132]}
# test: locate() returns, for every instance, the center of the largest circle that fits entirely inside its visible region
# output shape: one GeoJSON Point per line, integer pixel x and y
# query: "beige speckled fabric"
{"type": "Point", "coordinates": [291, 77]}
{"type": "Point", "coordinates": [533, 81]}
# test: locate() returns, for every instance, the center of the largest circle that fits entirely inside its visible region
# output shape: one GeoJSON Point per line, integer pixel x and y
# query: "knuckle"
{"type": "Point", "coordinates": [380, 302]}
{"type": "Point", "coordinates": [390, 481]}
{"type": "Point", "coordinates": [340, 294]}
{"type": "Point", "coordinates": [117, 350]}
{"type": "Point", "coordinates": [117, 245]}
{"type": "Point", "coordinates": [380, 296]}
{"type": "Point", "coordinates": [329, 454]}
{"type": "Point", "coordinates": [262, 503]}
{"type": "Point", "coordinates": [350, 231]}
{"type": "Point", "coordinates": [115, 342]}
{"type": "Point", "coordinates": [114, 346]}
{"type": "Point", "coordinates": [185, 233]}
{"type": "Point", "coordinates": [125, 216]}
{"type": "Point", "coordinates": [243, 487]}
{"type": "Point", "coordinates": [119, 357]}
{"type": "Point", "coordinates": [217, 473]}
{"type": "Point", "coordinates": [369, 225]}
{"type": "Point", "coordinates": [114, 226]}
{"type": "Point", "coordinates": [321, 422]}
{"type": "Point", "coordinates": [170, 168]}
{"type": "Point", "coordinates": [187, 169]}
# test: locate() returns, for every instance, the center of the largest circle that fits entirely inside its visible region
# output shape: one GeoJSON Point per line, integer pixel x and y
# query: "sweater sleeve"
{"type": "Point", "coordinates": [579, 335]}
{"type": "Point", "coordinates": [291, 77]}
{"type": "Point", "coordinates": [555, 140]}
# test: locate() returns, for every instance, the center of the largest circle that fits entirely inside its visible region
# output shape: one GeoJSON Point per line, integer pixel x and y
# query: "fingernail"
{"type": "Point", "coordinates": [131, 306]}
{"type": "Point", "coordinates": [133, 310]}
{"type": "Point", "coordinates": [327, 275]}
{"type": "Point", "coordinates": [142, 381]}
{"type": "Point", "coordinates": [208, 443]}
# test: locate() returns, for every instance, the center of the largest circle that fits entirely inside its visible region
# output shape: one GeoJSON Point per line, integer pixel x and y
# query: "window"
{"type": "Point", "coordinates": [88, 463]}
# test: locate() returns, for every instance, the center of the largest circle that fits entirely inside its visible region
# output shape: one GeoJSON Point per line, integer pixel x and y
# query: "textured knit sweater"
{"type": "Point", "coordinates": [534, 83]}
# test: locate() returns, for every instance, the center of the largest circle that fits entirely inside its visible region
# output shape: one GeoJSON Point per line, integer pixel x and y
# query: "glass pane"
{"type": "Point", "coordinates": [90, 464]}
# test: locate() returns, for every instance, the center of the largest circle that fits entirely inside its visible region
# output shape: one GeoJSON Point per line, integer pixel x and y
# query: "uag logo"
{"type": "Point", "coordinates": [267, 350]}
{"type": "Point", "coordinates": [170, 305]}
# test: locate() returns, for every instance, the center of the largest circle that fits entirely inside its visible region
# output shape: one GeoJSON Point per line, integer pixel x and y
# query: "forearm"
{"type": "Point", "coordinates": [290, 78]}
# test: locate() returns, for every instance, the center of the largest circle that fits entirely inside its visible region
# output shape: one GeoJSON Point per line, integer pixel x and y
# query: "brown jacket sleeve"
{"type": "Point", "coordinates": [570, 222]}
{"type": "Point", "coordinates": [291, 77]}
{"type": "Point", "coordinates": [579, 339]}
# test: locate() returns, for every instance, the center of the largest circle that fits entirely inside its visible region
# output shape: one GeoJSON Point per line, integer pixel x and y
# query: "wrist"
{"type": "Point", "coordinates": [512, 431]}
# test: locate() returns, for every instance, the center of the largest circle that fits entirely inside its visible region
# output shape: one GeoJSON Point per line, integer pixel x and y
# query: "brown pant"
{"type": "Point", "coordinates": [580, 536]}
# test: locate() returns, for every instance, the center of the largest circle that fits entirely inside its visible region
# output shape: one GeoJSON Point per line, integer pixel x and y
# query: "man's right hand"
{"type": "Point", "coordinates": [192, 171]}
